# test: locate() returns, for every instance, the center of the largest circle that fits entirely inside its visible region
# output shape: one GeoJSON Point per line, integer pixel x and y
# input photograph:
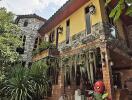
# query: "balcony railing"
{"type": "Point", "coordinates": [44, 51]}
{"type": "Point", "coordinates": [101, 31]}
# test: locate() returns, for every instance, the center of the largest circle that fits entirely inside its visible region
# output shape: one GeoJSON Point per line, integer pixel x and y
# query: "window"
{"type": "Point", "coordinates": [88, 23]}
{"type": "Point", "coordinates": [25, 23]}
{"type": "Point", "coordinates": [23, 63]}
{"type": "Point", "coordinates": [36, 43]}
{"type": "Point", "coordinates": [20, 49]}
{"type": "Point", "coordinates": [52, 36]}
{"type": "Point", "coordinates": [67, 31]}
{"type": "Point", "coordinates": [39, 41]}
{"type": "Point", "coordinates": [23, 38]}
{"type": "Point", "coordinates": [46, 38]}
{"type": "Point", "coordinates": [117, 80]}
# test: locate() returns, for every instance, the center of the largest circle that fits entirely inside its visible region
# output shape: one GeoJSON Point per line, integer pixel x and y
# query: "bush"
{"type": "Point", "coordinates": [39, 79]}
{"type": "Point", "coordinates": [25, 84]}
{"type": "Point", "coordinates": [18, 86]}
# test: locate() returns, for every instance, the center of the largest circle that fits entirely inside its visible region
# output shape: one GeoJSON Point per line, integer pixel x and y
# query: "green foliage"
{"type": "Point", "coordinates": [8, 45]}
{"type": "Point", "coordinates": [129, 11]}
{"type": "Point", "coordinates": [107, 2]}
{"type": "Point", "coordinates": [39, 78]}
{"type": "Point", "coordinates": [43, 46]}
{"type": "Point", "coordinates": [121, 5]}
{"type": "Point", "coordinates": [9, 39]}
{"type": "Point", "coordinates": [23, 83]}
{"type": "Point", "coordinates": [18, 86]}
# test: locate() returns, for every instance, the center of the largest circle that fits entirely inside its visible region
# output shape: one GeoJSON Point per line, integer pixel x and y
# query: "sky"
{"type": "Point", "coordinates": [43, 8]}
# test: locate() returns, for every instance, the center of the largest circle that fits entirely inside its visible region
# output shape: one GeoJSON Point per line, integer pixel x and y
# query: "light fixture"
{"type": "Point", "coordinates": [92, 9]}
{"type": "Point", "coordinates": [60, 30]}
{"type": "Point", "coordinates": [111, 63]}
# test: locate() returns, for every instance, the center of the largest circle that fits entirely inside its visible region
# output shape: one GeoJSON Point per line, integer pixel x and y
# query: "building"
{"type": "Point", "coordinates": [29, 25]}
{"type": "Point", "coordinates": [89, 47]}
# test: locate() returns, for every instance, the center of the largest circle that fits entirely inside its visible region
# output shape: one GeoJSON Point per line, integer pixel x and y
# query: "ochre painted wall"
{"type": "Point", "coordinates": [77, 20]}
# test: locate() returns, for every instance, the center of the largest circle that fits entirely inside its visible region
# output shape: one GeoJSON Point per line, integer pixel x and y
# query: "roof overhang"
{"type": "Point", "coordinates": [70, 7]}
{"type": "Point", "coordinates": [121, 60]}
{"type": "Point", "coordinates": [29, 16]}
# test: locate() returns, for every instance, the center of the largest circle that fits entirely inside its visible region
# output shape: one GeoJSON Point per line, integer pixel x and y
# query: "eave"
{"type": "Point", "coordinates": [70, 7]}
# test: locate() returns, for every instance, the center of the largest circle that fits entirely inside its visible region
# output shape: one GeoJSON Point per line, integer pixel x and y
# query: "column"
{"type": "Point", "coordinates": [107, 71]}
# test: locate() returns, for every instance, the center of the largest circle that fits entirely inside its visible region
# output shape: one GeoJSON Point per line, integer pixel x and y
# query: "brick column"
{"type": "Point", "coordinates": [61, 80]}
{"type": "Point", "coordinates": [107, 71]}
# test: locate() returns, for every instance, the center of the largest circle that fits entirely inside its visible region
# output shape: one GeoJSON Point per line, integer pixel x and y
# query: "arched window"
{"type": "Point", "coordinates": [24, 40]}
{"type": "Point", "coordinates": [20, 49]}
{"type": "Point", "coordinates": [36, 43]}
{"type": "Point", "coordinates": [52, 37]}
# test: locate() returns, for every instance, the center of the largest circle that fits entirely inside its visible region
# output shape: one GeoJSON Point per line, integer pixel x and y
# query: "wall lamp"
{"type": "Point", "coordinates": [111, 63]}
{"type": "Point", "coordinates": [92, 9]}
{"type": "Point", "coordinates": [60, 30]}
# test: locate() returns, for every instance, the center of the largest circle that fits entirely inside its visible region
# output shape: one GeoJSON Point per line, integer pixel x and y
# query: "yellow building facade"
{"type": "Point", "coordinates": [85, 37]}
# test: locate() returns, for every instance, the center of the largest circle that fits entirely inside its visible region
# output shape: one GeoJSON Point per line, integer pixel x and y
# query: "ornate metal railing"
{"type": "Point", "coordinates": [102, 31]}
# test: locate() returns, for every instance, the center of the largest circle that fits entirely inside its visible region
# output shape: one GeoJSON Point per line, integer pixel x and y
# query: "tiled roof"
{"type": "Point", "coordinates": [57, 12]}
{"type": "Point", "coordinates": [29, 16]}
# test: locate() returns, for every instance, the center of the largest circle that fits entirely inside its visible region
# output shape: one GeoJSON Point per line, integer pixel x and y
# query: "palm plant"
{"type": "Point", "coordinates": [18, 86]}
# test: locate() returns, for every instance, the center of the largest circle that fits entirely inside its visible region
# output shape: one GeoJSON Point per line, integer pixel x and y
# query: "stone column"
{"type": "Point", "coordinates": [107, 71]}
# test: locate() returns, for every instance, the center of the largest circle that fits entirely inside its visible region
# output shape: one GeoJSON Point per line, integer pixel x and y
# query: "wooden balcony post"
{"type": "Point", "coordinates": [107, 71]}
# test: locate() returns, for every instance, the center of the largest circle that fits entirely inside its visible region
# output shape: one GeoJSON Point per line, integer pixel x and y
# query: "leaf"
{"type": "Point", "coordinates": [104, 96]}
{"type": "Point", "coordinates": [107, 2]}
{"type": "Point", "coordinates": [129, 11]}
{"type": "Point", "coordinates": [118, 13]}
{"type": "Point", "coordinates": [128, 1]}
{"type": "Point", "coordinates": [113, 12]}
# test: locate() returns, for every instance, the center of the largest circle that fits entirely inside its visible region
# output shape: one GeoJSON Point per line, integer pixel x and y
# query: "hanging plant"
{"type": "Point", "coordinates": [65, 59]}
{"type": "Point", "coordinates": [66, 47]}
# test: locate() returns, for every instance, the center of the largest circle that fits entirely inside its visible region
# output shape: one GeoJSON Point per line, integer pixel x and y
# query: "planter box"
{"type": "Point", "coordinates": [48, 52]}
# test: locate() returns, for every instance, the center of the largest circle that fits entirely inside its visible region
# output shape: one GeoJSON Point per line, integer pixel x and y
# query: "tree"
{"type": "Point", "coordinates": [9, 40]}
{"type": "Point", "coordinates": [120, 7]}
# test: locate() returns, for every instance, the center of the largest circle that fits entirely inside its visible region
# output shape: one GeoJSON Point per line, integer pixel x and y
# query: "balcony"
{"type": "Point", "coordinates": [45, 50]}
{"type": "Point", "coordinates": [101, 33]}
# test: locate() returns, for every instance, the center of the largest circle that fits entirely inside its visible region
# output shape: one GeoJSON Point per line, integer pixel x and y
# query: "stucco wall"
{"type": "Point", "coordinates": [77, 20]}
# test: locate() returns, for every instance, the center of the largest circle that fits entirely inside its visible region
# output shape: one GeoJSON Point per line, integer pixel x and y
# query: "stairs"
{"type": "Point", "coordinates": [58, 90]}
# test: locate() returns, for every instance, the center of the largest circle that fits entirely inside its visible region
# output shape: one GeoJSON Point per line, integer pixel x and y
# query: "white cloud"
{"type": "Point", "coordinates": [29, 6]}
